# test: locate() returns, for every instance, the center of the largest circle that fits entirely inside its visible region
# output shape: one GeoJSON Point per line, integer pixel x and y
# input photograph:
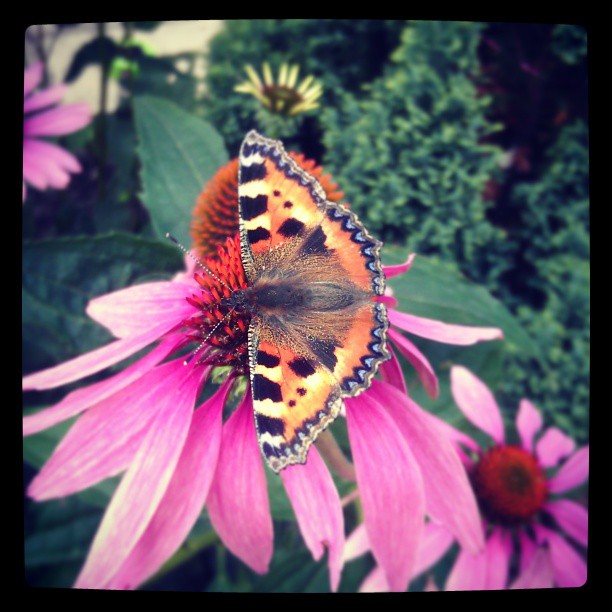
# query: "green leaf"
{"type": "Point", "coordinates": [179, 154]}
{"type": "Point", "coordinates": [437, 290]}
{"type": "Point", "coordinates": [59, 278]}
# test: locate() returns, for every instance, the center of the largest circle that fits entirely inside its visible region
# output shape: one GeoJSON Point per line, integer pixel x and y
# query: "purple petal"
{"type": "Point", "coordinates": [469, 573]}
{"type": "Point", "coordinates": [553, 446]}
{"type": "Point", "coordinates": [318, 510]}
{"type": "Point", "coordinates": [184, 498]}
{"type": "Point", "coordinates": [527, 550]}
{"type": "Point", "coordinates": [238, 504]}
{"type": "Point", "coordinates": [391, 372]}
{"type": "Point", "coordinates": [538, 574]}
{"type": "Point", "coordinates": [104, 441]}
{"type": "Point", "coordinates": [436, 541]}
{"type": "Point", "coordinates": [375, 582]}
{"type": "Point", "coordinates": [477, 403]}
{"type": "Point", "coordinates": [44, 98]}
{"type": "Point", "coordinates": [498, 552]}
{"type": "Point", "coordinates": [142, 488]}
{"type": "Point", "coordinates": [448, 333]}
{"type": "Point", "coordinates": [457, 438]}
{"type": "Point", "coordinates": [31, 77]}
{"type": "Point", "coordinates": [572, 473]}
{"type": "Point", "coordinates": [528, 423]}
{"type": "Point", "coordinates": [419, 362]}
{"type": "Point", "coordinates": [388, 300]}
{"type": "Point", "coordinates": [569, 568]}
{"type": "Point", "coordinates": [52, 154]}
{"type": "Point", "coordinates": [391, 487]}
{"type": "Point", "coordinates": [448, 493]}
{"type": "Point", "coordinates": [357, 543]}
{"type": "Point", "coordinates": [40, 170]}
{"type": "Point", "coordinates": [391, 271]}
{"type": "Point", "coordinates": [98, 359]}
{"type": "Point", "coordinates": [58, 121]}
{"type": "Point", "coordinates": [573, 518]}
{"type": "Point", "coordinates": [131, 311]}
{"type": "Point", "coordinates": [81, 399]}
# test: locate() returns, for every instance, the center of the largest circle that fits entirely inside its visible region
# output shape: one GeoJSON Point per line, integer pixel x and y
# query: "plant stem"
{"type": "Point", "coordinates": [331, 451]}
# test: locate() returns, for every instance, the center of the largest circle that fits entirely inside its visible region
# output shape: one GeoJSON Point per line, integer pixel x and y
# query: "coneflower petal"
{"type": "Point", "coordinates": [569, 568]}
{"type": "Point", "coordinates": [105, 440]}
{"type": "Point", "coordinates": [238, 504]}
{"type": "Point", "coordinates": [436, 541]}
{"type": "Point", "coordinates": [391, 372]}
{"type": "Point", "coordinates": [528, 423]}
{"type": "Point", "coordinates": [448, 495]}
{"type": "Point", "coordinates": [391, 271]}
{"type": "Point", "coordinates": [419, 362]}
{"type": "Point", "coordinates": [318, 510]}
{"type": "Point", "coordinates": [477, 403]}
{"type": "Point", "coordinates": [572, 473]}
{"type": "Point", "coordinates": [469, 573]}
{"type": "Point", "coordinates": [391, 487]}
{"type": "Point", "coordinates": [498, 551]}
{"type": "Point", "coordinates": [538, 574]}
{"type": "Point", "coordinates": [133, 310]}
{"type": "Point", "coordinates": [184, 498]}
{"type": "Point", "coordinates": [96, 360]}
{"type": "Point", "coordinates": [142, 488]}
{"type": "Point", "coordinates": [553, 446]}
{"type": "Point", "coordinates": [573, 518]}
{"type": "Point", "coordinates": [81, 399]}
{"type": "Point", "coordinates": [460, 335]}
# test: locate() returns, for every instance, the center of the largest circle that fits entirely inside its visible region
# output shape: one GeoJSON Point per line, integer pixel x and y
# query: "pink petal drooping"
{"type": "Point", "coordinates": [142, 488]}
{"type": "Point", "coordinates": [184, 498]}
{"type": "Point", "coordinates": [318, 510]}
{"type": "Point", "coordinates": [238, 504]}
{"type": "Point", "coordinates": [390, 485]}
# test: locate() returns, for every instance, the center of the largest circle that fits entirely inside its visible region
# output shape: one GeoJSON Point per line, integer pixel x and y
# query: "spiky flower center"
{"type": "Point", "coordinates": [509, 484]}
{"type": "Point", "coordinates": [221, 330]}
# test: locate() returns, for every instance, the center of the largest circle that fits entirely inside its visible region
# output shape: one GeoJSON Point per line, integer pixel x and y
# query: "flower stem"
{"type": "Point", "coordinates": [331, 451]}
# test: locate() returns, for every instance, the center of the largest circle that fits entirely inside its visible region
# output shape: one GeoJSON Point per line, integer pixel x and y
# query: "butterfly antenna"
{"type": "Point", "coordinates": [190, 254]}
{"type": "Point", "coordinates": [208, 335]}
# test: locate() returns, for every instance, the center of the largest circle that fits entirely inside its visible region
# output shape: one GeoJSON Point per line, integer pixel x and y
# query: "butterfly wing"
{"type": "Point", "coordinates": [304, 361]}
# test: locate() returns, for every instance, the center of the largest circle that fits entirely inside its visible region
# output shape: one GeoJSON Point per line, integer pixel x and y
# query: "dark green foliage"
{"type": "Point", "coordinates": [554, 239]}
{"type": "Point", "coordinates": [411, 156]}
{"type": "Point", "coordinates": [570, 43]}
{"type": "Point", "coordinates": [341, 53]}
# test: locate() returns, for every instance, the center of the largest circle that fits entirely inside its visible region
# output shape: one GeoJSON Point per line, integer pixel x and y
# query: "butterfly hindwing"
{"type": "Point", "coordinates": [294, 399]}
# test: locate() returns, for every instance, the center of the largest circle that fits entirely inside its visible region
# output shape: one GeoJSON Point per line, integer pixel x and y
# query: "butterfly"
{"type": "Point", "coordinates": [317, 333]}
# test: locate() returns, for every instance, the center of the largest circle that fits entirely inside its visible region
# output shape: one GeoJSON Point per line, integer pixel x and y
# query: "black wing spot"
{"type": "Point", "coordinates": [315, 243]}
{"type": "Point", "coordinates": [271, 425]}
{"type": "Point", "coordinates": [301, 391]}
{"type": "Point", "coordinates": [267, 360]}
{"type": "Point", "coordinates": [257, 234]}
{"type": "Point", "coordinates": [253, 207]}
{"type": "Point", "coordinates": [302, 367]}
{"type": "Point", "coordinates": [292, 403]}
{"type": "Point", "coordinates": [276, 192]}
{"type": "Point", "coordinates": [254, 172]}
{"type": "Point", "coordinates": [290, 228]}
{"type": "Point", "coordinates": [264, 388]}
{"type": "Point", "coordinates": [288, 204]}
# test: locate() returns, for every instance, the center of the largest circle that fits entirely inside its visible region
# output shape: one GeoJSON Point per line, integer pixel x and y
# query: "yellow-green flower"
{"type": "Point", "coordinates": [285, 96]}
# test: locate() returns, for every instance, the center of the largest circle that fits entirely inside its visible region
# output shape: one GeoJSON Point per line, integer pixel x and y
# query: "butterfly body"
{"type": "Point", "coordinates": [316, 332]}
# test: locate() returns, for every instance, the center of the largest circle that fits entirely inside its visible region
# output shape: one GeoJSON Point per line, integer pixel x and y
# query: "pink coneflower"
{"type": "Point", "coordinates": [177, 460]}
{"type": "Point", "coordinates": [44, 163]}
{"type": "Point", "coordinates": [521, 491]}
